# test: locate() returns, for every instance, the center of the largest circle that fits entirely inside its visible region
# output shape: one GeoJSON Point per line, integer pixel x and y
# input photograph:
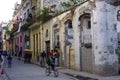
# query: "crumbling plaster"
{"type": "Point", "coordinates": [79, 11]}
{"type": "Point", "coordinates": [104, 35]}
{"type": "Point", "coordinates": [50, 24]}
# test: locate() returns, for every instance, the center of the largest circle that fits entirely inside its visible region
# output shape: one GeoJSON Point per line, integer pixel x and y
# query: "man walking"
{"type": "Point", "coordinates": [42, 62]}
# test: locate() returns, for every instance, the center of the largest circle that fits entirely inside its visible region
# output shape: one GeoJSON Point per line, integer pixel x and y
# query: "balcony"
{"type": "Point", "coordinates": [28, 22]}
{"type": "Point", "coordinates": [15, 27]}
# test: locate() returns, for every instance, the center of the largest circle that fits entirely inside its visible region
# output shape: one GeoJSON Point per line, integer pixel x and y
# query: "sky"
{"type": "Point", "coordinates": [7, 9]}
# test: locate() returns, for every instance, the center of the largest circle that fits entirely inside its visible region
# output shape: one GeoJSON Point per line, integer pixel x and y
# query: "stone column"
{"type": "Point", "coordinates": [104, 39]}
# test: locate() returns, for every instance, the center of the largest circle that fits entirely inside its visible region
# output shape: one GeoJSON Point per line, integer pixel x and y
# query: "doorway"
{"type": "Point", "coordinates": [47, 46]}
{"type": "Point", "coordinates": [86, 43]}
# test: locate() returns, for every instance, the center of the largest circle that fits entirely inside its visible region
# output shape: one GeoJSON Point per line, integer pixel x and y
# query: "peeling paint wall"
{"type": "Point", "coordinates": [79, 11]}
{"type": "Point", "coordinates": [105, 38]}
{"type": "Point", "coordinates": [104, 27]}
{"type": "Point", "coordinates": [48, 3]}
{"type": "Point", "coordinates": [46, 26]}
{"type": "Point", "coordinates": [60, 21]}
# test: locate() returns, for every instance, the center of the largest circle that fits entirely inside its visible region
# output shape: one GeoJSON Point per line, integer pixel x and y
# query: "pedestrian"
{"type": "Point", "coordinates": [20, 54]}
{"type": "Point", "coordinates": [52, 53]}
{"type": "Point", "coordinates": [29, 56]}
{"type": "Point", "coordinates": [43, 56]}
{"type": "Point", "coordinates": [1, 61]}
{"type": "Point", "coordinates": [51, 59]}
{"type": "Point", "coordinates": [9, 58]}
{"type": "Point", "coordinates": [56, 58]}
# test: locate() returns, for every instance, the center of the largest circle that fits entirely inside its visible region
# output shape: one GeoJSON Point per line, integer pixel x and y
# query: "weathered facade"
{"type": "Point", "coordinates": [1, 35]}
{"type": "Point", "coordinates": [92, 45]}
{"type": "Point", "coordinates": [55, 33]}
{"type": "Point", "coordinates": [8, 38]}
{"type": "Point", "coordinates": [17, 36]}
{"type": "Point", "coordinates": [103, 59]}
{"type": "Point", "coordinates": [35, 33]}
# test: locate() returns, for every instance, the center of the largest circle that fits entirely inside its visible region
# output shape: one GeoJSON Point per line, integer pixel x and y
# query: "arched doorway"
{"type": "Point", "coordinates": [56, 43]}
{"type": "Point", "coordinates": [56, 36]}
{"type": "Point", "coordinates": [86, 42]}
{"type": "Point", "coordinates": [68, 41]}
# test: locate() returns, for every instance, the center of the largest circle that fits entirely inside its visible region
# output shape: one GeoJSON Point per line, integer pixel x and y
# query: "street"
{"type": "Point", "coordinates": [24, 71]}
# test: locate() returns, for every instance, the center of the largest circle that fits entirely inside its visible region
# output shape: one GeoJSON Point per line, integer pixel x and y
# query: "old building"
{"type": "Point", "coordinates": [91, 43]}
{"type": "Point", "coordinates": [35, 33]}
{"type": "Point", "coordinates": [84, 32]}
{"type": "Point", "coordinates": [8, 38]}
{"type": "Point", "coordinates": [1, 36]}
{"type": "Point", "coordinates": [16, 35]}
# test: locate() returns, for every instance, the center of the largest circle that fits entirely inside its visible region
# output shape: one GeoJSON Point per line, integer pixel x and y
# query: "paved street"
{"type": "Point", "coordinates": [21, 71]}
{"type": "Point", "coordinates": [4, 77]}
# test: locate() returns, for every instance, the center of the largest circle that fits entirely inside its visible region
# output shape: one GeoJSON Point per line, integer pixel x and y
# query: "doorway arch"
{"type": "Point", "coordinates": [86, 42]}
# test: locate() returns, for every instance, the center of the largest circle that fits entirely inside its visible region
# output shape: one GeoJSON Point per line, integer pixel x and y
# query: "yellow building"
{"type": "Point", "coordinates": [35, 33]}
{"type": "Point", "coordinates": [7, 42]}
{"type": "Point", "coordinates": [35, 41]}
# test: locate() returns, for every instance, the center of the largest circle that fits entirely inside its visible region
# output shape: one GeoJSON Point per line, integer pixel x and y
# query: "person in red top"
{"type": "Point", "coordinates": [52, 59]}
{"type": "Point", "coordinates": [52, 53]}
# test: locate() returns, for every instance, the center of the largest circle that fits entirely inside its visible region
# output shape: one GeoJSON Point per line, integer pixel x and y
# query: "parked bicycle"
{"type": "Point", "coordinates": [49, 70]}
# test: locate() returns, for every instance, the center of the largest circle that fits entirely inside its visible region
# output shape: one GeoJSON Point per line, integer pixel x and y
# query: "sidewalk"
{"type": "Point", "coordinates": [85, 75]}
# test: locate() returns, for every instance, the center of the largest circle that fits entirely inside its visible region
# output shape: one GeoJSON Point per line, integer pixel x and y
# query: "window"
{"type": "Point", "coordinates": [28, 12]}
{"type": "Point", "coordinates": [17, 40]}
{"type": "Point", "coordinates": [37, 42]}
{"type": "Point", "coordinates": [47, 33]}
{"type": "Point", "coordinates": [118, 15]}
{"type": "Point", "coordinates": [69, 32]}
{"type": "Point", "coordinates": [89, 25]}
{"type": "Point", "coordinates": [24, 15]}
{"type": "Point", "coordinates": [70, 25]}
{"type": "Point", "coordinates": [20, 38]}
{"type": "Point", "coordinates": [58, 40]}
